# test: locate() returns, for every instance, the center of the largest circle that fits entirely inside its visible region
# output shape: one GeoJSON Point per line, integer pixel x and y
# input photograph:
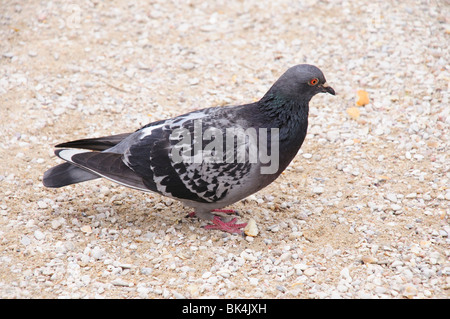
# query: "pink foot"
{"type": "Point", "coordinates": [230, 227]}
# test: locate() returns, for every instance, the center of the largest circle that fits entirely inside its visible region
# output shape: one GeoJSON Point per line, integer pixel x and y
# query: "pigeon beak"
{"type": "Point", "coordinates": [327, 89]}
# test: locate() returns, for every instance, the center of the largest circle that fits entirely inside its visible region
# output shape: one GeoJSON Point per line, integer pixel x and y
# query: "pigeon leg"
{"type": "Point", "coordinates": [230, 227]}
{"type": "Point", "coordinates": [226, 211]}
{"type": "Point", "coordinates": [191, 214]}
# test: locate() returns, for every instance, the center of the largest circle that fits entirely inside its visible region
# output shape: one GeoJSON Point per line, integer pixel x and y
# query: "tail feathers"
{"type": "Point", "coordinates": [66, 174]}
{"type": "Point", "coordinates": [96, 144]}
{"type": "Point", "coordinates": [83, 166]}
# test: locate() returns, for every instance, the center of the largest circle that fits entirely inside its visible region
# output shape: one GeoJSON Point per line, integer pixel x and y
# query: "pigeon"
{"type": "Point", "coordinates": [207, 159]}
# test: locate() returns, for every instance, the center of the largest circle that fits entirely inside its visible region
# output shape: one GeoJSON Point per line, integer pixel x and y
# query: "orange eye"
{"type": "Point", "coordinates": [313, 82]}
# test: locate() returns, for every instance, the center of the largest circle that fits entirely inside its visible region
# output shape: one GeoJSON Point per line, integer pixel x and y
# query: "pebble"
{"type": "Point", "coordinates": [392, 197]}
{"type": "Point", "coordinates": [121, 283]}
{"type": "Point", "coordinates": [309, 272]}
{"type": "Point", "coordinates": [318, 190]}
{"type": "Point", "coordinates": [146, 271]}
{"type": "Point", "coordinates": [25, 240]}
{"type": "Point", "coordinates": [97, 253]}
{"type": "Point", "coordinates": [86, 229]}
{"type": "Point", "coordinates": [39, 235]}
{"type": "Point", "coordinates": [56, 223]}
{"type": "Point", "coordinates": [42, 204]}
{"type": "Point", "coordinates": [187, 66]}
{"type": "Point", "coordinates": [254, 281]}
{"type": "Point", "coordinates": [410, 291]}
{"type": "Point", "coordinates": [251, 229]}
{"type": "Point", "coordinates": [369, 259]}
{"type": "Point", "coordinates": [206, 275]}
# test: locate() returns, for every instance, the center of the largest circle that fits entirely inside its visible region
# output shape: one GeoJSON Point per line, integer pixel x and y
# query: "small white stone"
{"type": "Point", "coordinates": [345, 274]}
{"type": "Point", "coordinates": [121, 283]}
{"type": "Point", "coordinates": [39, 235]}
{"type": "Point", "coordinates": [194, 81]}
{"type": "Point", "coordinates": [55, 224]}
{"type": "Point", "coordinates": [206, 275]}
{"type": "Point", "coordinates": [301, 266]}
{"type": "Point", "coordinates": [392, 197]}
{"type": "Point", "coordinates": [42, 204]}
{"type": "Point", "coordinates": [253, 281]}
{"type": "Point", "coordinates": [318, 190]}
{"type": "Point", "coordinates": [447, 196]}
{"type": "Point", "coordinates": [309, 272]}
{"type": "Point", "coordinates": [187, 66]}
{"type": "Point", "coordinates": [25, 240]}
{"type": "Point", "coordinates": [97, 252]}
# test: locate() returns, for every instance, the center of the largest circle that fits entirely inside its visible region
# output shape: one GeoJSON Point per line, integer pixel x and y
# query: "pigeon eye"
{"type": "Point", "coordinates": [313, 81]}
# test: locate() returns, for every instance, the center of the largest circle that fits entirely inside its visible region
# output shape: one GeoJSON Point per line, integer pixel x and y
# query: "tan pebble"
{"type": "Point", "coordinates": [363, 98]}
{"type": "Point", "coordinates": [295, 235]}
{"type": "Point", "coordinates": [425, 243]}
{"type": "Point", "coordinates": [86, 229]}
{"type": "Point", "coordinates": [353, 112]}
{"type": "Point", "coordinates": [369, 259]}
{"type": "Point", "coordinates": [410, 291]}
{"type": "Point", "coordinates": [295, 284]}
{"type": "Point", "coordinates": [251, 229]}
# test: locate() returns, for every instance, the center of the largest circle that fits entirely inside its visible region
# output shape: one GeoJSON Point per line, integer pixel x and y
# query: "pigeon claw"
{"type": "Point", "coordinates": [229, 227]}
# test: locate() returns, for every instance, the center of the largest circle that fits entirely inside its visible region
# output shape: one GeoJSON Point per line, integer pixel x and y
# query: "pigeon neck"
{"type": "Point", "coordinates": [290, 116]}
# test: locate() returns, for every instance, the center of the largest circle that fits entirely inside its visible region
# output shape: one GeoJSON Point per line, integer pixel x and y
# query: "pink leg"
{"type": "Point", "coordinates": [191, 214]}
{"type": "Point", "coordinates": [225, 211]}
{"type": "Point", "coordinates": [230, 227]}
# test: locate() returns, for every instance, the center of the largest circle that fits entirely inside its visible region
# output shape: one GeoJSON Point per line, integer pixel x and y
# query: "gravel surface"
{"type": "Point", "coordinates": [362, 211]}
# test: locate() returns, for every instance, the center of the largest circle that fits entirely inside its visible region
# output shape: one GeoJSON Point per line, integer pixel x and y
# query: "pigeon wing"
{"type": "Point", "coordinates": [195, 178]}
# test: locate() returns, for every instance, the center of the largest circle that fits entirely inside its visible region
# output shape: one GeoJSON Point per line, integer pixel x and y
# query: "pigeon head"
{"type": "Point", "coordinates": [299, 83]}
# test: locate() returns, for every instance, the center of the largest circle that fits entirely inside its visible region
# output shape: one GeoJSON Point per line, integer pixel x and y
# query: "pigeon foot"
{"type": "Point", "coordinates": [229, 227]}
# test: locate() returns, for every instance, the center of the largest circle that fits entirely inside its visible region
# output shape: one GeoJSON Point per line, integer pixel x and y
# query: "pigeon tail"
{"type": "Point", "coordinates": [66, 174]}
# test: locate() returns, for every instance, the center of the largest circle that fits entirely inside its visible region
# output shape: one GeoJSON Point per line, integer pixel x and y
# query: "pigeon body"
{"type": "Point", "coordinates": [207, 159]}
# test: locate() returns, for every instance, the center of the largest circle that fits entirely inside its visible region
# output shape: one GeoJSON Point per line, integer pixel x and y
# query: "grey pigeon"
{"type": "Point", "coordinates": [207, 159]}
